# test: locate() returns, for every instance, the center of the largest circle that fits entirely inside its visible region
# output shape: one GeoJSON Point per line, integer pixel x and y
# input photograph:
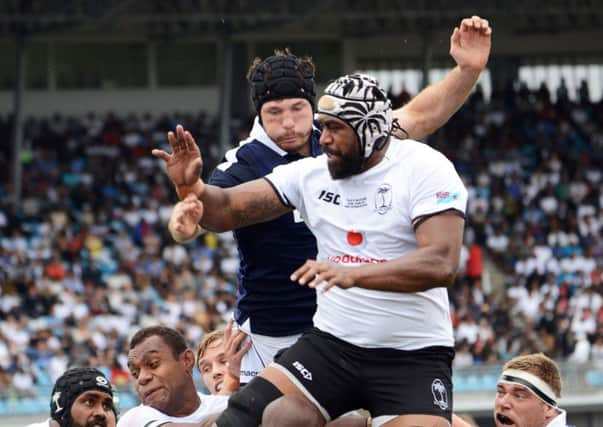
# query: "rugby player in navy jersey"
{"type": "Point", "coordinates": [270, 308]}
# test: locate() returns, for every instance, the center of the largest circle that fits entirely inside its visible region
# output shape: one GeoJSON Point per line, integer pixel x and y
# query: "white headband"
{"type": "Point", "coordinates": [530, 381]}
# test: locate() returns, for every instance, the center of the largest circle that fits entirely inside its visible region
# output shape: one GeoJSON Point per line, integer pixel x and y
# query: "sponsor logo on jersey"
{"type": "Point", "coordinates": [440, 394]}
{"type": "Point", "coordinates": [357, 202]}
{"type": "Point", "coordinates": [354, 259]}
{"type": "Point", "coordinates": [302, 370]}
{"type": "Point", "coordinates": [354, 238]}
{"type": "Point", "coordinates": [383, 199]}
{"type": "Point", "coordinates": [330, 197]}
{"type": "Point", "coordinates": [446, 197]}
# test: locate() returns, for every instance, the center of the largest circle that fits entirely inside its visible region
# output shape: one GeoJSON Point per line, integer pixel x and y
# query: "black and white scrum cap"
{"type": "Point", "coordinates": [358, 100]}
{"type": "Point", "coordinates": [534, 384]}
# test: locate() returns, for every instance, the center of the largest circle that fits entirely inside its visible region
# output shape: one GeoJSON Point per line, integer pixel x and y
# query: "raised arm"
{"type": "Point", "coordinates": [433, 264]}
{"type": "Point", "coordinates": [431, 108]}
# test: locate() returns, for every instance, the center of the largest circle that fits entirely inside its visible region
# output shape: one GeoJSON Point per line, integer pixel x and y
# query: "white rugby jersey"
{"type": "Point", "coordinates": [43, 424]}
{"type": "Point", "coordinates": [367, 218]}
{"type": "Point", "coordinates": [145, 416]}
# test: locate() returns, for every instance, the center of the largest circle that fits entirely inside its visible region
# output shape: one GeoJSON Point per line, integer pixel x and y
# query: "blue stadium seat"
{"type": "Point", "coordinates": [594, 377]}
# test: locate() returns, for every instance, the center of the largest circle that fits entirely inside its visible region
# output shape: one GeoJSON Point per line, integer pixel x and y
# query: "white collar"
{"type": "Point", "coordinates": [258, 133]}
{"type": "Point", "coordinates": [559, 420]}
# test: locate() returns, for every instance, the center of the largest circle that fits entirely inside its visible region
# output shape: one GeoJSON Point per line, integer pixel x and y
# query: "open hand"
{"type": "Point", "coordinates": [234, 348]}
{"type": "Point", "coordinates": [184, 165]}
{"type": "Point", "coordinates": [470, 44]}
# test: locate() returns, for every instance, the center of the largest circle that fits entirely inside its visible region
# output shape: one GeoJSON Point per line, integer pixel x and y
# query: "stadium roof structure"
{"type": "Point", "coordinates": [245, 18]}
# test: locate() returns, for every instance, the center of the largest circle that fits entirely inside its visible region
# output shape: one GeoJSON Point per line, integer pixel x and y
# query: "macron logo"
{"type": "Point", "coordinates": [305, 373]}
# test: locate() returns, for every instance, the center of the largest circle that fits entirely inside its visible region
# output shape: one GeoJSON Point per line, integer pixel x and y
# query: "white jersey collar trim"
{"type": "Point", "coordinates": [559, 420]}
{"type": "Point", "coordinates": [259, 134]}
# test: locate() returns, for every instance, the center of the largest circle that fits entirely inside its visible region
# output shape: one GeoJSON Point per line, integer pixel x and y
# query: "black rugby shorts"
{"type": "Point", "coordinates": [339, 377]}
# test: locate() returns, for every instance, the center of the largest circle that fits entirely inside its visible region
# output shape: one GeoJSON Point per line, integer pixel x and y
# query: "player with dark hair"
{"type": "Point", "coordinates": [270, 308]}
{"type": "Point", "coordinates": [388, 216]}
{"type": "Point", "coordinates": [162, 367]}
{"type": "Point", "coordinates": [81, 397]}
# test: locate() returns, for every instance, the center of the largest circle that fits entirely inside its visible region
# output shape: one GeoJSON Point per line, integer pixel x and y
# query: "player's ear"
{"type": "Point", "coordinates": [188, 358]}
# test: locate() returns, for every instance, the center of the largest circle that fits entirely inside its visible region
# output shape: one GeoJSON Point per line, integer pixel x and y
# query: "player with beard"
{"type": "Point", "coordinates": [270, 308]}
{"type": "Point", "coordinates": [81, 397]}
{"type": "Point", "coordinates": [528, 392]}
{"type": "Point", "coordinates": [388, 216]}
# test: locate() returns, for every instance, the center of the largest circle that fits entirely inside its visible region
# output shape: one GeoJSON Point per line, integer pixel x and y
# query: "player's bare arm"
{"type": "Point", "coordinates": [245, 204]}
{"type": "Point", "coordinates": [431, 108]}
{"type": "Point", "coordinates": [221, 209]}
{"type": "Point", "coordinates": [433, 264]}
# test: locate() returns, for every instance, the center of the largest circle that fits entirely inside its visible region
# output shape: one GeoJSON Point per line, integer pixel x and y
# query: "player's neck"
{"type": "Point", "coordinates": [375, 158]}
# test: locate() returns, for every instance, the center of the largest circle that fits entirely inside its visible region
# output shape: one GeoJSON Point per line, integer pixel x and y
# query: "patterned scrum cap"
{"type": "Point", "coordinates": [70, 385]}
{"type": "Point", "coordinates": [358, 100]}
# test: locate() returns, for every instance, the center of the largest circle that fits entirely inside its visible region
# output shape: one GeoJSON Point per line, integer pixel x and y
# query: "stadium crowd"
{"type": "Point", "coordinates": [88, 260]}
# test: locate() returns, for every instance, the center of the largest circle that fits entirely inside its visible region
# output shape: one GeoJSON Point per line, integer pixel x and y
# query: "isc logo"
{"type": "Point", "coordinates": [327, 196]}
{"type": "Point", "coordinates": [302, 370]}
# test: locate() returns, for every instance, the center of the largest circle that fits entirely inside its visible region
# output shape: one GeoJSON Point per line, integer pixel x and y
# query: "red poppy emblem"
{"type": "Point", "coordinates": [354, 238]}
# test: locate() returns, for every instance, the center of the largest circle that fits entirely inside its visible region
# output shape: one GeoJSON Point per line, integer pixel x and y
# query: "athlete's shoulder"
{"type": "Point", "coordinates": [140, 415]}
{"type": "Point", "coordinates": [308, 165]}
{"type": "Point", "coordinates": [213, 403]}
{"type": "Point", "coordinates": [42, 424]}
{"type": "Point", "coordinates": [415, 154]}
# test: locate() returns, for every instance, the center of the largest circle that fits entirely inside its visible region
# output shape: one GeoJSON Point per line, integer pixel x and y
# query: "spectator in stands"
{"type": "Point", "coordinates": [81, 397]}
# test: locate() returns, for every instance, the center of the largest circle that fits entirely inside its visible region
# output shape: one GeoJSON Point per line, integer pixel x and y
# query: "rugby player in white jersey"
{"type": "Point", "coordinates": [388, 216]}
{"type": "Point", "coordinates": [162, 367]}
{"type": "Point", "coordinates": [269, 307]}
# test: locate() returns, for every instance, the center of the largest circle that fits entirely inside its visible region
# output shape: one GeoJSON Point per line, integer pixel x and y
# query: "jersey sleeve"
{"type": "Point", "coordinates": [437, 188]}
{"type": "Point", "coordinates": [233, 170]}
{"type": "Point", "coordinates": [285, 179]}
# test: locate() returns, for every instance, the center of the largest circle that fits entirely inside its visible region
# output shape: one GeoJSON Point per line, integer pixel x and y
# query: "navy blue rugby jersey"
{"type": "Point", "coordinates": [269, 252]}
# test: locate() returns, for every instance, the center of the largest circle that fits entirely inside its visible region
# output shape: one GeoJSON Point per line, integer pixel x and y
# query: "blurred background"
{"type": "Point", "coordinates": [88, 88]}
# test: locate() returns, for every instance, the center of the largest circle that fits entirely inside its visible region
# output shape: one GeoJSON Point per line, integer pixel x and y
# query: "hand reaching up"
{"type": "Point", "coordinates": [184, 165]}
{"type": "Point", "coordinates": [470, 44]}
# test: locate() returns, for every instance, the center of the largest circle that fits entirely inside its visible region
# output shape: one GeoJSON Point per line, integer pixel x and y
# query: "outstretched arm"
{"type": "Point", "coordinates": [433, 264]}
{"type": "Point", "coordinates": [431, 108]}
{"type": "Point", "coordinates": [217, 208]}
{"type": "Point", "coordinates": [245, 204]}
